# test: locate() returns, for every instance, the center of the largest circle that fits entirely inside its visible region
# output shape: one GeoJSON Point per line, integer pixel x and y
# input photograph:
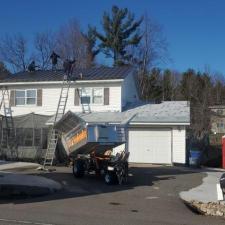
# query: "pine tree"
{"type": "Point", "coordinates": [120, 32]}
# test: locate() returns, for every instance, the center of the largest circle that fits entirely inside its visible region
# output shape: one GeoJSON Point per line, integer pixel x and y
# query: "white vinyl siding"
{"type": "Point", "coordinates": [179, 144]}
{"type": "Point", "coordinates": [50, 98]}
{"type": "Point", "coordinates": [129, 90]}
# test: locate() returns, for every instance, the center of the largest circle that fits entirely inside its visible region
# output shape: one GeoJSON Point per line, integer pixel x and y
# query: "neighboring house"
{"type": "Point", "coordinates": [156, 133]}
{"type": "Point", "coordinates": [217, 119]}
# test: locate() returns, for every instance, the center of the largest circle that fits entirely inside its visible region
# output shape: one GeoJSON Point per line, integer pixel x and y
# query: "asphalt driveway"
{"type": "Point", "coordinates": [150, 197]}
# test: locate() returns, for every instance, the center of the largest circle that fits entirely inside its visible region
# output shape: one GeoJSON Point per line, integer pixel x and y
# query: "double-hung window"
{"type": "Point", "coordinates": [85, 97]}
{"type": "Point", "coordinates": [26, 97]}
{"type": "Point", "coordinates": [97, 95]}
{"type": "Point", "coordinates": [91, 96]}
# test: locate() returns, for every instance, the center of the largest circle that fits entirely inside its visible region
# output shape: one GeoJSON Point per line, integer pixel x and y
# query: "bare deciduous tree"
{"type": "Point", "coordinates": [71, 44]}
{"type": "Point", "coordinates": [13, 50]}
{"type": "Point", "coordinates": [92, 50]}
{"type": "Point", "coordinates": [152, 49]}
{"type": "Point", "coordinates": [44, 43]}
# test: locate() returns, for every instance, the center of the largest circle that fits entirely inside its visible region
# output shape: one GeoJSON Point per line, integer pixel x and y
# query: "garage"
{"type": "Point", "coordinates": [150, 145]}
{"type": "Point", "coordinates": [155, 133]}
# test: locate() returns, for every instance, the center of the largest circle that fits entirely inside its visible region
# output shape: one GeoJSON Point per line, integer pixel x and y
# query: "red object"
{"type": "Point", "coordinates": [223, 152]}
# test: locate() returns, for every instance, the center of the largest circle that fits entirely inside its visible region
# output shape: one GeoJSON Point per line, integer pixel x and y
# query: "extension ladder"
{"type": "Point", "coordinates": [53, 137]}
{"type": "Point", "coordinates": [9, 136]}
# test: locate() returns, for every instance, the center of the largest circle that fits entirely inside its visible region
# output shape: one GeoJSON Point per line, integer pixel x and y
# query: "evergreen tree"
{"type": "Point", "coordinates": [120, 32]}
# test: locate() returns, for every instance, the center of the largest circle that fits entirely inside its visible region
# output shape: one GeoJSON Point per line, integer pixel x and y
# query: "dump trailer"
{"type": "Point", "coordinates": [90, 146]}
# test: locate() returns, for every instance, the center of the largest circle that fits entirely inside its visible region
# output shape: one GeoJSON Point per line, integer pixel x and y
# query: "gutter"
{"type": "Point", "coordinates": [147, 124]}
{"type": "Point", "coordinates": [60, 82]}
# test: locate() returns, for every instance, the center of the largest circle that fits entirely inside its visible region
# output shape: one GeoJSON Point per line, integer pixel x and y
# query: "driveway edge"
{"type": "Point", "coordinates": [209, 209]}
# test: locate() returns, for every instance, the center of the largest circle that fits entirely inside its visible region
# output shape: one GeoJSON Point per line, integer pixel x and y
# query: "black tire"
{"type": "Point", "coordinates": [110, 178]}
{"type": "Point", "coordinates": [78, 168]}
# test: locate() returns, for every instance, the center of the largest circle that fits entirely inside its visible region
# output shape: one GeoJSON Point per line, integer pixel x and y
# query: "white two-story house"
{"type": "Point", "coordinates": [155, 132]}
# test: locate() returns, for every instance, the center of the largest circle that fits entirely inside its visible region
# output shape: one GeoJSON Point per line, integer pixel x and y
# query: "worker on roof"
{"type": "Point", "coordinates": [68, 66]}
{"type": "Point", "coordinates": [54, 57]}
{"type": "Point", "coordinates": [32, 67]}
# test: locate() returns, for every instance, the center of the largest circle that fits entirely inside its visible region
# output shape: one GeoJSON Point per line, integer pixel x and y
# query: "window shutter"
{"type": "Point", "coordinates": [12, 98]}
{"type": "Point", "coordinates": [76, 97]}
{"type": "Point", "coordinates": [106, 96]}
{"type": "Point", "coordinates": [39, 97]}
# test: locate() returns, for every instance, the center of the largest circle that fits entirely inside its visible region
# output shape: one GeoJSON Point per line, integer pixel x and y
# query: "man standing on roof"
{"type": "Point", "coordinates": [68, 66]}
{"type": "Point", "coordinates": [54, 57]}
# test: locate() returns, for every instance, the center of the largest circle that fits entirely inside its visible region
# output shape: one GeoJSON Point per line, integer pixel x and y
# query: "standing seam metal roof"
{"type": "Point", "coordinates": [100, 73]}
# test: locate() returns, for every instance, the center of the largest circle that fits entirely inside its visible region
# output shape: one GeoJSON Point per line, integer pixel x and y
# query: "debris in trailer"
{"type": "Point", "coordinates": [90, 147]}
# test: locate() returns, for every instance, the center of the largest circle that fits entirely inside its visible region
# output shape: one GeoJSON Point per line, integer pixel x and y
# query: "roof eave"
{"type": "Point", "coordinates": [60, 82]}
{"type": "Point", "coordinates": [160, 123]}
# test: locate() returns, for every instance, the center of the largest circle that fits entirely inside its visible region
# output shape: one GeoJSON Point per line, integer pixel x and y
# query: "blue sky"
{"type": "Point", "coordinates": [195, 29]}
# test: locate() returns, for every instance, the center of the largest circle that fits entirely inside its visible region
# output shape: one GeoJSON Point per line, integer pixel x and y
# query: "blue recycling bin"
{"type": "Point", "coordinates": [195, 157]}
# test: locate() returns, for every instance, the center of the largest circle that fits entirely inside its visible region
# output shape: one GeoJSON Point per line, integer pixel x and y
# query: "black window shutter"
{"type": "Point", "coordinates": [76, 97]}
{"type": "Point", "coordinates": [39, 97]}
{"type": "Point", "coordinates": [12, 98]}
{"type": "Point", "coordinates": [106, 96]}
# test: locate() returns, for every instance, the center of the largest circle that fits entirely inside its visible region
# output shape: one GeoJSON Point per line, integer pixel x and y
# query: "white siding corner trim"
{"type": "Point", "coordinates": [179, 144]}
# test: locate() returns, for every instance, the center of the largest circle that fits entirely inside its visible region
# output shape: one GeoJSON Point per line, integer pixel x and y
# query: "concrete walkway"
{"type": "Point", "coordinates": [9, 165]}
{"type": "Point", "coordinates": [207, 191]}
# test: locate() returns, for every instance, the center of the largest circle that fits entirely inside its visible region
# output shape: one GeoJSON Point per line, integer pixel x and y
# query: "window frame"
{"type": "Point", "coordinates": [26, 97]}
{"type": "Point", "coordinates": [91, 89]}
{"type": "Point", "coordinates": [102, 96]}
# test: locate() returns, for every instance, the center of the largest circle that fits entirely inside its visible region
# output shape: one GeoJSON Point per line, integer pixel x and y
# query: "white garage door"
{"type": "Point", "coordinates": [150, 145]}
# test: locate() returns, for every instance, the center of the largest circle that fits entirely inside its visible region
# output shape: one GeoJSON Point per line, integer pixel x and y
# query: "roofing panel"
{"type": "Point", "coordinates": [100, 73]}
{"type": "Point", "coordinates": [177, 112]}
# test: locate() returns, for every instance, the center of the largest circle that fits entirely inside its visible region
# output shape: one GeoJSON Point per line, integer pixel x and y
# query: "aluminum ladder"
{"type": "Point", "coordinates": [53, 137]}
{"type": "Point", "coordinates": [9, 136]}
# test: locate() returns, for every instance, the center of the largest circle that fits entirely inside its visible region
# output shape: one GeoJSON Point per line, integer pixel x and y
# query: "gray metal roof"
{"type": "Point", "coordinates": [165, 112]}
{"type": "Point", "coordinates": [177, 112]}
{"type": "Point", "coordinates": [100, 73]}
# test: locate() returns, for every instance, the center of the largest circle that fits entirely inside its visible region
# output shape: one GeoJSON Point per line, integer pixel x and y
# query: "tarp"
{"type": "Point", "coordinates": [30, 120]}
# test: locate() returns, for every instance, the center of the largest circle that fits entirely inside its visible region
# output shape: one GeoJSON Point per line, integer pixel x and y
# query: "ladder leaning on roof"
{"type": "Point", "coordinates": [8, 139]}
{"type": "Point", "coordinates": [53, 138]}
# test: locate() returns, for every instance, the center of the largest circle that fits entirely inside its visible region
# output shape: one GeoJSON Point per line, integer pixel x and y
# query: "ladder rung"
{"type": "Point", "coordinates": [48, 160]}
{"type": "Point", "coordinates": [55, 139]}
{"type": "Point", "coordinates": [49, 156]}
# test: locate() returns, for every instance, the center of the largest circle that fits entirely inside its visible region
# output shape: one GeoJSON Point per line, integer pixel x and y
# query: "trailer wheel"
{"type": "Point", "coordinates": [110, 178]}
{"type": "Point", "coordinates": [78, 168]}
